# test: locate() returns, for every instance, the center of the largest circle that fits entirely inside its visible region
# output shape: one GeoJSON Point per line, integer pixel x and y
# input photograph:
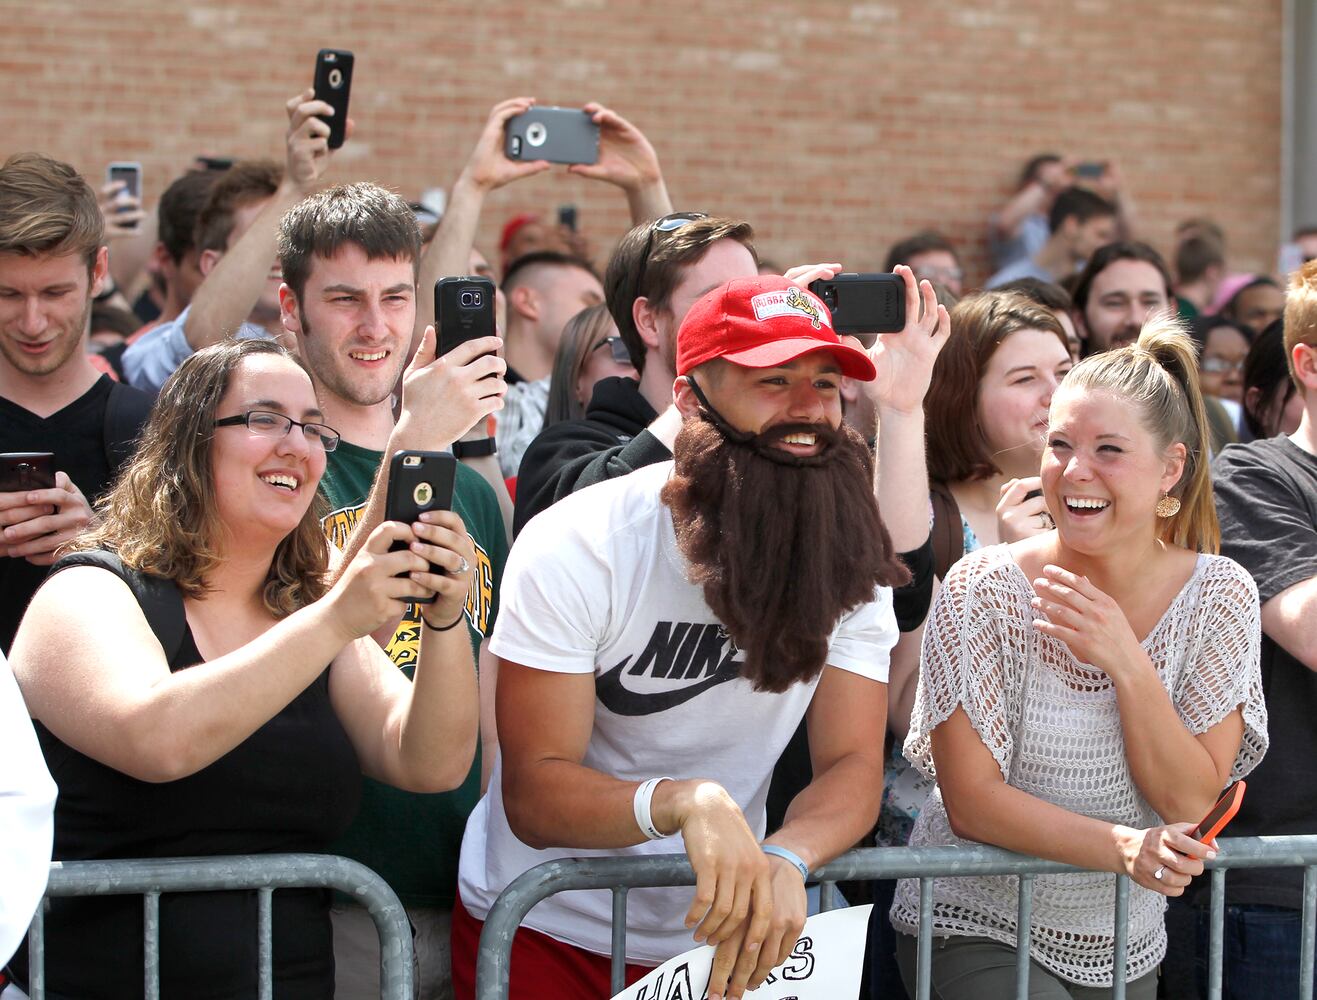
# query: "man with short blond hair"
{"type": "Point", "coordinates": [1266, 496]}
{"type": "Point", "coordinates": [53, 261]}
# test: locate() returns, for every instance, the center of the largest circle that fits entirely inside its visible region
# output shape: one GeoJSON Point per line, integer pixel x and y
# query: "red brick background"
{"type": "Point", "coordinates": [835, 127]}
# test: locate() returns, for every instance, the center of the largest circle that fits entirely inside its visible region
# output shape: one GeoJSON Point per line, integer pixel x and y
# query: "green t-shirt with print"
{"type": "Point", "coordinates": [413, 840]}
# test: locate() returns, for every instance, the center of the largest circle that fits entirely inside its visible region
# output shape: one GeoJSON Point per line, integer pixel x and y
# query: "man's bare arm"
{"type": "Point", "coordinates": [486, 170]}
{"type": "Point", "coordinates": [1288, 620]}
{"type": "Point", "coordinates": [230, 292]}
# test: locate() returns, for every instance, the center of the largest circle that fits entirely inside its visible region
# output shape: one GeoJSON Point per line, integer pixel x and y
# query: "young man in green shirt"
{"type": "Point", "coordinates": [350, 262]}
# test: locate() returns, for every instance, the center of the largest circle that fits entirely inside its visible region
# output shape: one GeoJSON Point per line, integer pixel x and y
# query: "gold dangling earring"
{"type": "Point", "coordinates": [1168, 506]}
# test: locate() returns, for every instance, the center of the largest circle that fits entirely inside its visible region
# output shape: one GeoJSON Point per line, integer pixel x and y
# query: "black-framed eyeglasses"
{"type": "Point", "coordinates": [667, 224]}
{"type": "Point", "coordinates": [269, 424]}
{"type": "Point", "coordinates": [617, 347]}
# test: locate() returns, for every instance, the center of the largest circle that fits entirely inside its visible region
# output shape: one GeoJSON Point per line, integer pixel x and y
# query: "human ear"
{"type": "Point", "coordinates": [207, 261]}
{"type": "Point", "coordinates": [289, 314]}
{"type": "Point", "coordinates": [524, 302]}
{"type": "Point", "coordinates": [684, 397]}
{"type": "Point", "coordinates": [643, 315]}
{"type": "Point", "coordinates": [1305, 365]}
{"type": "Point", "coordinates": [100, 271]}
{"type": "Point", "coordinates": [1173, 460]}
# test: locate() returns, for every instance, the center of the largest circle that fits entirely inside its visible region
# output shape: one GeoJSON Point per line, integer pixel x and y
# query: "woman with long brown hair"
{"type": "Point", "coordinates": [201, 687]}
{"type": "Point", "coordinates": [1085, 693]}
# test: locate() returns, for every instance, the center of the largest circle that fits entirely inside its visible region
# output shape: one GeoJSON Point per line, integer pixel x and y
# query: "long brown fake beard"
{"type": "Point", "coordinates": [782, 545]}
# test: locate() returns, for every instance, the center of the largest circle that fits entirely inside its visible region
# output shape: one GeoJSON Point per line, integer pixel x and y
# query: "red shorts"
{"type": "Point", "coordinates": [543, 968]}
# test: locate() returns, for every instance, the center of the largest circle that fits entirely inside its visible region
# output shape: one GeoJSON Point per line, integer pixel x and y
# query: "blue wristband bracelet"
{"type": "Point", "coordinates": [789, 856]}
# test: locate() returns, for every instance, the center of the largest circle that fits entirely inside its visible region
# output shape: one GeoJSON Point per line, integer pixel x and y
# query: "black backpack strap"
{"type": "Point", "coordinates": [125, 413]}
{"type": "Point", "coordinates": [948, 534]}
{"type": "Point", "coordinates": [160, 599]}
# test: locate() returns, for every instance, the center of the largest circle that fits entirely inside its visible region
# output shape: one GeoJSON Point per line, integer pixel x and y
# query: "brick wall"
{"type": "Point", "coordinates": [836, 126]}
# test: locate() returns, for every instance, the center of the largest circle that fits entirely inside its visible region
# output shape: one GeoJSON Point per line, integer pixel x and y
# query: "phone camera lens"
{"type": "Point", "coordinates": [536, 134]}
{"type": "Point", "coordinates": [336, 78]}
{"type": "Point", "coordinates": [470, 299]}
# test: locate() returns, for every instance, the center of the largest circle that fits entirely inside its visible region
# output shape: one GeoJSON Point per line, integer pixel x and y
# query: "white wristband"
{"type": "Point", "coordinates": [640, 806]}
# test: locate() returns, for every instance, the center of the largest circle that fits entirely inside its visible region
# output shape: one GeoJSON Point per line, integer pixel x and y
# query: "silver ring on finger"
{"type": "Point", "coordinates": [1045, 519]}
{"type": "Point", "coordinates": [1161, 870]}
{"type": "Point", "coordinates": [464, 566]}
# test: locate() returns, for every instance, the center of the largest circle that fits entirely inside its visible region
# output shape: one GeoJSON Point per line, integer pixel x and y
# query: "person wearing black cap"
{"type": "Point", "coordinates": [663, 634]}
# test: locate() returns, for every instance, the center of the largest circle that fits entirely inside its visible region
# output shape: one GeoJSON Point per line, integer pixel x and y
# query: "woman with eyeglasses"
{"type": "Point", "coordinates": [1222, 348]}
{"type": "Point", "coordinates": [202, 686]}
{"type": "Point", "coordinates": [589, 351]}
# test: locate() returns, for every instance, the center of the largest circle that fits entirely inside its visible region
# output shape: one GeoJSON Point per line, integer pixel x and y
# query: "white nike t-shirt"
{"type": "Point", "coordinates": [596, 584]}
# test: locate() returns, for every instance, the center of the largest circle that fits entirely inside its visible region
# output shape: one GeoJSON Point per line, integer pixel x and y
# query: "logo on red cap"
{"type": "Point", "coordinates": [792, 302]}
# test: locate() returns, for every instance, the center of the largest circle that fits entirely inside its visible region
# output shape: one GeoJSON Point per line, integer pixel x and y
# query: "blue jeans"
{"type": "Point", "coordinates": [1261, 945]}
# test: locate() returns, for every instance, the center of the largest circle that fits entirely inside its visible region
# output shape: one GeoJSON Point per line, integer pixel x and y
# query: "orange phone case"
{"type": "Point", "coordinates": [1221, 814]}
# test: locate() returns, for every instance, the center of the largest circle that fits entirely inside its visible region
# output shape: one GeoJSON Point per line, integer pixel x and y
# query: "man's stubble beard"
{"type": "Point", "coordinates": [68, 344]}
{"type": "Point", "coordinates": [782, 546]}
{"type": "Point", "coordinates": [330, 377]}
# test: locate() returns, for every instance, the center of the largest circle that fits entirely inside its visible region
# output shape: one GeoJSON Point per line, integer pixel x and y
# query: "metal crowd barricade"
{"type": "Point", "coordinates": [263, 872]}
{"type": "Point", "coordinates": [923, 863]}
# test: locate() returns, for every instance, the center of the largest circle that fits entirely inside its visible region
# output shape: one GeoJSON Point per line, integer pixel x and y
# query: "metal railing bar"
{"type": "Point", "coordinates": [1216, 935]}
{"type": "Point", "coordinates": [619, 939]}
{"type": "Point", "coordinates": [149, 877]}
{"type": "Point", "coordinates": [265, 944]}
{"type": "Point", "coordinates": [151, 943]}
{"type": "Point", "coordinates": [1023, 932]}
{"type": "Point", "coordinates": [36, 954]}
{"type": "Point", "coordinates": [673, 870]}
{"type": "Point", "coordinates": [924, 965]}
{"type": "Point", "coordinates": [826, 890]}
{"type": "Point", "coordinates": [1306, 946]}
{"type": "Point", "coordinates": [1119, 960]}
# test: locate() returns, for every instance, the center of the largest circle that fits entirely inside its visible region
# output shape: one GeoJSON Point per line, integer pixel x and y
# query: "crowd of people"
{"type": "Point", "coordinates": [1036, 571]}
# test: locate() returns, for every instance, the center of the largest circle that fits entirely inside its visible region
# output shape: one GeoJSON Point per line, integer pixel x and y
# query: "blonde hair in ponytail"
{"type": "Point", "coordinates": [1159, 375]}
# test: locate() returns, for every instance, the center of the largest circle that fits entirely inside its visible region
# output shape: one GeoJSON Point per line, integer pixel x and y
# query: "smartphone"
{"type": "Point", "coordinates": [130, 174]}
{"type": "Point", "coordinates": [216, 163]}
{"type": "Point", "coordinates": [419, 481]}
{"type": "Point", "coordinates": [21, 471]}
{"type": "Point", "coordinates": [1090, 170]}
{"type": "Point", "coordinates": [559, 135]}
{"type": "Point", "coordinates": [333, 85]}
{"type": "Point", "coordinates": [1222, 813]}
{"type": "Point", "coordinates": [863, 303]}
{"type": "Point", "coordinates": [463, 310]}
{"type": "Point", "coordinates": [567, 217]}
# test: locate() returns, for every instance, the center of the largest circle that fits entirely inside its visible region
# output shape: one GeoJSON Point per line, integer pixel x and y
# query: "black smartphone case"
{"type": "Point", "coordinates": [419, 481]}
{"type": "Point", "coordinates": [333, 86]}
{"type": "Point", "coordinates": [559, 135]}
{"type": "Point", "coordinates": [457, 321]}
{"type": "Point", "coordinates": [26, 470]}
{"type": "Point", "coordinates": [863, 303]}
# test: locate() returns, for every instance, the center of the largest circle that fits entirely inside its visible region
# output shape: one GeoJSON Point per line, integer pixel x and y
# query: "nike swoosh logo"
{"type": "Point", "coordinates": [620, 700]}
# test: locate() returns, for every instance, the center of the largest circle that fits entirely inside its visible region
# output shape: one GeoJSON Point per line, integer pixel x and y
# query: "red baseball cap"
{"type": "Point", "coordinates": [762, 322]}
{"type": "Point", "coordinates": [513, 226]}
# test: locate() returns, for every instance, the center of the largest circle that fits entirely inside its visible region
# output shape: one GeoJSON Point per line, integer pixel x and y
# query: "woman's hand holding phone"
{"type": "Point", "coordinates": [1022, 511]}
{"type": "Point", "coordinates": [1163, 858]}
{"type": "Point", "coordinates": [441, 539]}
{"type": "Point", "coordinates": [376, 585]}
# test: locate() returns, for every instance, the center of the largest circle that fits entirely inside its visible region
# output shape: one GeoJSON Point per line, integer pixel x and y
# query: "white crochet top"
{"type": "Point", "coordinates": [1053, 726]}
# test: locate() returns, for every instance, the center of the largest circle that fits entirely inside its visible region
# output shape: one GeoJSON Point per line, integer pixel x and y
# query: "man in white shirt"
{"type": "Point", "coordinates": [27, 811]}
{"type": "Point", "coordinates": [661, 637]}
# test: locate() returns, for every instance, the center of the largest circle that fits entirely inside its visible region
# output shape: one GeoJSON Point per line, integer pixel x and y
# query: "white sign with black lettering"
{"type": "Point", "coordinates": [824, 965]}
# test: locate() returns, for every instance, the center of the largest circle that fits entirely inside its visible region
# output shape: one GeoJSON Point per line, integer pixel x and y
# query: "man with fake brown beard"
{"type": "Point", "coordinates": [662, 636]}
